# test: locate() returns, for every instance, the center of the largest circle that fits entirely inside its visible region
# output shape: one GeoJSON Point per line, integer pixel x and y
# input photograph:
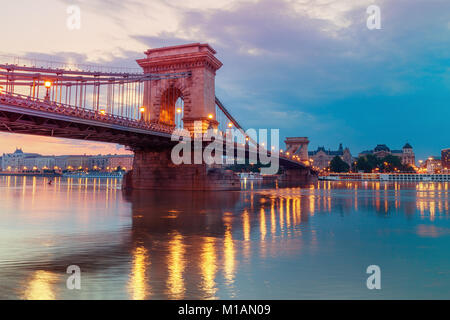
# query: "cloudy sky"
{"type": "Point", "coordinates": [308, 67]}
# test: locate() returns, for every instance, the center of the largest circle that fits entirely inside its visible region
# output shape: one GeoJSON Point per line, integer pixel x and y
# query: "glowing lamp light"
{"type": "Point", "coordinates": [142, 109]}
{"type": "Point", "coordinates": [102, 112]}
{"type": "Point", "coordinates": [47, 84]}
{"type": "Point", "coordinates": [210, 116]}
{"type": "Point", "coordinates": [230, 125]}
{"type": "Point", "coordinates": [178, 110]}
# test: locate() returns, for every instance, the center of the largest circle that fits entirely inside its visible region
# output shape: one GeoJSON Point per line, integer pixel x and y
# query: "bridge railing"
{"type": "Point", "coordinates": [18, 100]}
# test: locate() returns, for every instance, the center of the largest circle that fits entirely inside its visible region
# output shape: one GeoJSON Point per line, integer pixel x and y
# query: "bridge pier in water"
{"type": "Point", "coordinates": [154, 170]}
{"type": "Point", "coordinates": [300, 176]}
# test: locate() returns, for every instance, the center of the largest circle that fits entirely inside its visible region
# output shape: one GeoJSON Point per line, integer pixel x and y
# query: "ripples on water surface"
{"type": "Point", "coordinates": [261, 243]}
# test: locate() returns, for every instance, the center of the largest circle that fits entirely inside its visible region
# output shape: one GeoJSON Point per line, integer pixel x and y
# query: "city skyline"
{"type": "Point", "coordinates": [318, 72]}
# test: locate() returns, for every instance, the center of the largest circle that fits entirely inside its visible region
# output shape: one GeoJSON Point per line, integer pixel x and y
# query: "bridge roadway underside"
{"type": "Point", "coordinates": [35, 122]}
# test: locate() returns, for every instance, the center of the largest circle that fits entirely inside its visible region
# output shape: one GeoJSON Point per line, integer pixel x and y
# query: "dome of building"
{"type": "Point", "coordinates": [381, 147]}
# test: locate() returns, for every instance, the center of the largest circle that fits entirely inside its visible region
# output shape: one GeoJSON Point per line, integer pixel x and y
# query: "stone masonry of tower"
{"type": "Point", "coordinates": [197, 91]}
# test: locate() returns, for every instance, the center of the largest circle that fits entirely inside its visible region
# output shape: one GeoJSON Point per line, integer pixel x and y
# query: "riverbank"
{"type": "Point", "coordinates": [412, 177]}
{"type": "Point", "coordinates": [26, 174]}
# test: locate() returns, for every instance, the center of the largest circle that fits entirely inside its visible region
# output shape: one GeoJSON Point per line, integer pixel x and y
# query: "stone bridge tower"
{"type": "Point", "coordinates": [196, 91]}
{"type": "Point", "coordinates": [298, 146]}
{"type": "Point", "coordinates": [152, 166]}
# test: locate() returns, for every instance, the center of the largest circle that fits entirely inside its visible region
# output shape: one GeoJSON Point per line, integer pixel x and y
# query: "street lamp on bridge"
{"type": "Point", "coordinates": [47, 85]}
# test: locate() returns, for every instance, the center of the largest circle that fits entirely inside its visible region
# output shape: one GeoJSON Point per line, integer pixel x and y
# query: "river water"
{"type": "Point", "coordinates": [313, 242]}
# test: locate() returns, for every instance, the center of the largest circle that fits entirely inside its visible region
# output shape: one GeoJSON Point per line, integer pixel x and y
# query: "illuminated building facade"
{"type": "Point", "coordinates": [406, 154]}
{"type": "Point", "coordinates": [445, 158]}
{"type": "Point", "coordinates": [21, 161]}
{"type": "Point", "coordinates": [321, 158]}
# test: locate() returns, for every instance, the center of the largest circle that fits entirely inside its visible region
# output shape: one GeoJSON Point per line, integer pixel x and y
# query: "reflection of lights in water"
{"type": "Point", "coordinates": [294, 211]}
{"type": "Point", "coordinates": [33, 190]}
{"type": "Point", "coordinates": [432, 210]}
{"type": "Point", "coordinates": [299, 210]}
{"type": "Point", "coordinates": [246, 225]}
{"type": "Point", "coordinates": [281, 215]}
{"type": "Point", "coordinates": [40, 286]}
{"type": "Point", "coordinates": [288, 213]}
{"type": "Point", "coordinates": [262, 221]}
{"type": "Point", "coordinates": [229, 265]}
{"type": "Point", "coordinates": [311, 204]}
{"type": "Point", "coordinates": [208, 267]}
{"type": "Point", "coordinates": [272, 219]}
{"type": "Point", "coordinates": [24, 186]}
{"type": "Point", "coordinates": [246, 231]}
{"type": "Point", "coordinates": [138, 283]}
{"type": "Point", "coordinates": [176, 265]}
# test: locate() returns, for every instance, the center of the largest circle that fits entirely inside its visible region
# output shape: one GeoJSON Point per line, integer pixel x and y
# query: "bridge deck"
{"type": "Point", "coordinates": [25, 115]}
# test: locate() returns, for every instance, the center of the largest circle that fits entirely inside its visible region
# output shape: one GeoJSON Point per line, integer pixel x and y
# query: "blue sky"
{"type": "Point", "coordinates": [308, 67]}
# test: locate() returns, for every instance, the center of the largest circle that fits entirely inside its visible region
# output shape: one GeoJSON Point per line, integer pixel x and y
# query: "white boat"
{"type": "Point", "coordinates": [250, 176]}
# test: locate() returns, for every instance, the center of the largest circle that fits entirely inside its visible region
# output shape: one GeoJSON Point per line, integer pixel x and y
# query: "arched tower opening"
{"type": "Point", "coordinates": [172, 107]}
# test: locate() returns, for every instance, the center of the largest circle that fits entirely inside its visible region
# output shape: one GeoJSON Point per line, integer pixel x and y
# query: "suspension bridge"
{"type": "Point", "coordinates": [138, 108]}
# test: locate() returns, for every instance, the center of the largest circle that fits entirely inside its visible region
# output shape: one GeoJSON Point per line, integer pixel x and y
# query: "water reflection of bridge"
{"type": "Point", "coordinates": [181, 246]}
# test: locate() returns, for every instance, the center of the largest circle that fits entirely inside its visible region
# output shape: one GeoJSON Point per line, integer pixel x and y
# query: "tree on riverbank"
{"type": "Point", "coordinates": [338, 165]}
{"type": "Point", "coordinates": [389, 163]}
